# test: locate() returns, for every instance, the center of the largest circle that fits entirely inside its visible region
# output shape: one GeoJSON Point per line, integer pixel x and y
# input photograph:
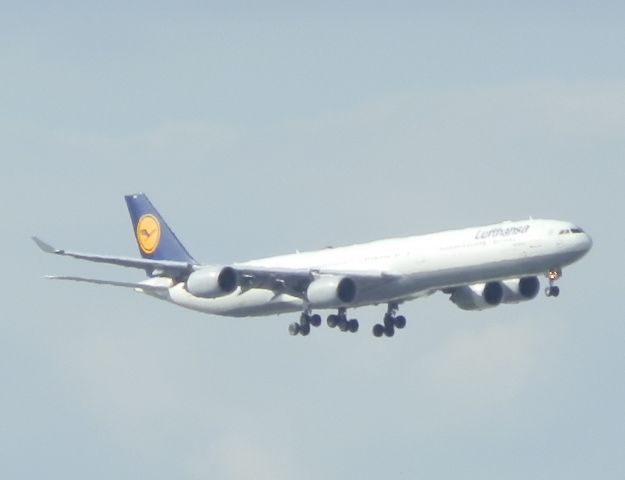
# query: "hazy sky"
{"type": "Point", "coordinates": [262, 130]}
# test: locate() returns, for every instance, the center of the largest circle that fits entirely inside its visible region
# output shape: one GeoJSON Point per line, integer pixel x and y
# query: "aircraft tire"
{"type": "Point", "coordinates": [315, 320]}
{"type": "Point", "coordinates": [389, 331]}
{"type": "Point", "coordinates": [304, 329]}
{"type": "Point", "coordinates": [399, 322]}
{"type": "Point", "coordinates": [353, 325]}
{"type": "Point", "coordinates": [343, 325]}
{"type": "Point", "coordinates": [333, 320]}
{"type": "Point", "coordinates": [378, 330]}
{"type": "Point", "coordinates": [294, 329]}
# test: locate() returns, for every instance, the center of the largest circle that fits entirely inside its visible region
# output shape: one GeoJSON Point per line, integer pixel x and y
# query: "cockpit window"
{"type": "Point", "coordinates": [570, 230]}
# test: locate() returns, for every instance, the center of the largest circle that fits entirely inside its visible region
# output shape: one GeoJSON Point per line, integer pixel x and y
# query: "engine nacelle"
{"type": "Point", "coordinates": [479, 296]}
{"type": "Point", "coordinates": [212, 282]}
{"type": "Point", "coordinates": [520, 289]}
{"type": "Point", "coordinates": [331, 291]}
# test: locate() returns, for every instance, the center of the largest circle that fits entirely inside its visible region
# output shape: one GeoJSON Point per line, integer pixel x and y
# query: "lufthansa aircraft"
{"type": "Point", "coordinates": [478, 267]}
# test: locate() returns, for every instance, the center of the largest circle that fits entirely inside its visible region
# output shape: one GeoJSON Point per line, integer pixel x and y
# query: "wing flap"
{"type": "Point", "coordinates": [296, 281]}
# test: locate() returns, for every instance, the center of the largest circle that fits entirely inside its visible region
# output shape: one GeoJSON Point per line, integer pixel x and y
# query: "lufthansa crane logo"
{"type": "Point", "coordinates": [148, 233]}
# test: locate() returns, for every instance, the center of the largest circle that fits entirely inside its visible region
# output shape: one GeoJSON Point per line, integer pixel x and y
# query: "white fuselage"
{"type": "Point", "coordinates": [420, 265]}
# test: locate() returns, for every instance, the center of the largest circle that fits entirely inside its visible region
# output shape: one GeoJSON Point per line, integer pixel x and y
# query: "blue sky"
{"type": "Point", "coordinates": [262, 130]}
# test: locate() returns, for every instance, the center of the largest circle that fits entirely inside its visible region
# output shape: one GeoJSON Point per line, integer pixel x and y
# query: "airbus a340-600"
{"type": "Point", "coordinates": [478, 267]}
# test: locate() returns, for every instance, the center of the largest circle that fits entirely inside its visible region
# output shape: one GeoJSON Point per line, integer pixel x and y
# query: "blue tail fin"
{"type": "Point", "coordinates": [154, 237]}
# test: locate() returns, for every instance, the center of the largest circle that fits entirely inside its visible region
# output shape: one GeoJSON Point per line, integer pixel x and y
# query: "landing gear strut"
{"type": "Point", "coordinates": [390, 323]}
{"type": "Point", "coordinates": [340, 320]}
{"type": "Point", "coordinates": [553, 275]}
{"type": "Point", "coordinates": [306, 320]}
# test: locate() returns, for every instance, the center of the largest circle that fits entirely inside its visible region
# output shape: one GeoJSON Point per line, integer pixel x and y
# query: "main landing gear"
{"type": "Point", "coordinates": [340, 320]}
{"type": "Point", "coordinates": [553, 275]}
{"type": "Point", "coordinates": [390, 323]}
{"type": "Point", "coordinates": [306, 320]}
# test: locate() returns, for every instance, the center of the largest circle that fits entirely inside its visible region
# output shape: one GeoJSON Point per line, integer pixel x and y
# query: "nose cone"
{"type": "Point", "coordinates": [587, 242]}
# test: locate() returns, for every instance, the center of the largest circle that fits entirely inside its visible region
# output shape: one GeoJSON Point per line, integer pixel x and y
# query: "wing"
{"type": "Point", "coordinates": [171, 267]}
{"type": "Point", "coordinates": [295, 281]}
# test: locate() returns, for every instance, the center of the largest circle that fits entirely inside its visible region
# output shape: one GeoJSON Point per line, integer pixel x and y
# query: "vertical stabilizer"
{"type": "Point", "coordinates": [154, 237]}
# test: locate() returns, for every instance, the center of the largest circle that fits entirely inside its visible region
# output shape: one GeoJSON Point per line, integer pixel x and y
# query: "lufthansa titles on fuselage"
{"type": "Point", "coordinates": [501, 232]}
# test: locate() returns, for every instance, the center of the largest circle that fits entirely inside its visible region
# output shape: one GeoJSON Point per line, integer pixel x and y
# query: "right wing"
{"type": "Point", "coordinates": [295, 281]}
{"type": "Point", "coordinates": [171, 267]}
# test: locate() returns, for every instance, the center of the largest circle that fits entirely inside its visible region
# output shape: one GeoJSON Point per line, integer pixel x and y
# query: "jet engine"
{"type": "Point", "coordinates": [331, 291]}
{"type": "Point", "coordinates": [520, 289]}
{"type": "Point", "coordinates": [479, 296]}
{"type": "Point", "coordinates": [212, 282]}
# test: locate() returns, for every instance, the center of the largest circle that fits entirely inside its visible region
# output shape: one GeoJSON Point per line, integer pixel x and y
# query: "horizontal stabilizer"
{"type": "Point", "coordinates": [140, 286]}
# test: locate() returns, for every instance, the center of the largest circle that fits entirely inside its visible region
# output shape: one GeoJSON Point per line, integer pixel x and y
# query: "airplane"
{"type": "Point", "coordinates": [478, 267]}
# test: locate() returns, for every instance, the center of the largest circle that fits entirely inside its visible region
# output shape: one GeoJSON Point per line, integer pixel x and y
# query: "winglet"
{"type": "Point", "coordinates": [44, 246]}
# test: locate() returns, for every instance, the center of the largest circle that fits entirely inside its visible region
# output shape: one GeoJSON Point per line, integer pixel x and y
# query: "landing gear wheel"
{"type": "Point", "coordinates": [352, 325]}
{"type": "Point", "coordinates": [315, 320]}
{"type": "Point", "coordinates": [400, 322]}
{"type": "Point", "coordinates": [304, 320]}
{"type": "Point", "coordinates": [391, 322]}
{"type": "Point", "coordinates": [304, 329]}
{"type": "Point", "coordinates": [378, 330]}
{"type": "Point", "coordinates": [294, 329]}
{"type": "Point", "coordinates": [343, 325]}
{"type": "Point", "coordinates": [552, 291]}
{"type": "Point", "coordinates": [333, 320]}
{"type": "Point", "coordinates": [553, 274]}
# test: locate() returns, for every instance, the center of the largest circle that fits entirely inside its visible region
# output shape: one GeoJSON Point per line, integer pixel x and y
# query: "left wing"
{"type": "Point", "coordinates": [173, 267]}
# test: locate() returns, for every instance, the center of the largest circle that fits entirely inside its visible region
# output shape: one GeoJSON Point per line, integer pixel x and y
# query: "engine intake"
{"type": "Point", "coordinates": [331, 291]}
{"type": "Point", "coordinates": [212, 282]}
{"type": "Point", "coordinates": [479, 296]}
{"type": "Point", "coordinates": [520, 289]}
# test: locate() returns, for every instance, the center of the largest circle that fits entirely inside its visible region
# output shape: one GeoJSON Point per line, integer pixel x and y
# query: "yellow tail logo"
{"type": "Point", "coordinates": [148, 233]}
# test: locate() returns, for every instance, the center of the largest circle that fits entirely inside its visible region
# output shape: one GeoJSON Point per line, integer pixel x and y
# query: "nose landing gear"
{"type": "Point", "coordinates": [553, 275]}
